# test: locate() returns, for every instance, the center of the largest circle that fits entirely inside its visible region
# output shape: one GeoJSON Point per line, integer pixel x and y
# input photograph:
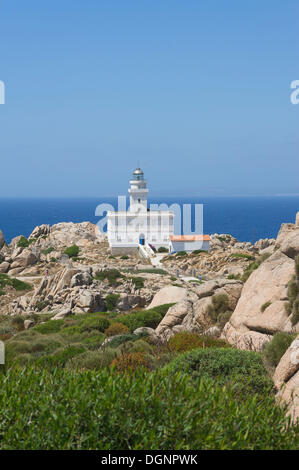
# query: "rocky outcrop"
{"type": "Point", "coordinates": [286, 379]}
{"type": "Point", "coordinates": [169, 295]}
{"type": "Point", "coordinates": [24, 259]}
{"type": "Point", "coordinates": [266, 287]}
{"type": "Point", "coordinates": [40, 231]}
{"type": "Point", "coordinates": [191, 311]}
{"type": "Point", "coordinates": [261, 309]}
{"type": "Point", "coordinates": [248, 340]}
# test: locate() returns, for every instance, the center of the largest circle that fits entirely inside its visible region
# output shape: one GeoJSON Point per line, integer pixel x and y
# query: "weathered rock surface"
{"type": "Point", "coordinates": [248, 340]}
{"type": "Point", "coordinates": [266, 284]}
{"type": "Point", "coordinates": [288, 364]}
{"type": "Point", "coordinates": [4, 267]}
{"type": "Point", "coordinates": [169, 295]}
{"type": "Point", "coordinates": [190, 313]}
{"type": "Point", "coordinates": [286, 379]}
{"type": "Point", "coordinates": [24, 259]}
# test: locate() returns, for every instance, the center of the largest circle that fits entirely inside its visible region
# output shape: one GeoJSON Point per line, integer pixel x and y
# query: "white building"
{"type": "Point", "coordinates": [138, 226]}
{"type": "Point", "coordinates": [190, 242]}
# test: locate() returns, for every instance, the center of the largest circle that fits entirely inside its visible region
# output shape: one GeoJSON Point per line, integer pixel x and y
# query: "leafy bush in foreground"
{"type": "Point", "coordinates": [275, 349]}
{"type": "Point", "coordinates": [244, 369]}
{"type": "Point", "coordinates": [105, 410]}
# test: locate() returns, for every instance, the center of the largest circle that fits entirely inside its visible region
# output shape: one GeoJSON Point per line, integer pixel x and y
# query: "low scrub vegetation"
{"type": "Point", "coordinates": [111, 275]}
{"type": "Point", "coordinates": [117, 329]}
{"type": "Point", "coordinates": [185, 341]}
{"type": "Point", "coordinates": [18, 285]}
{"type": "Point", "coordinates": [24, 243]}
{"type": "Point", "coordinates": [265, 306]}
{"type": "Point", "coordinates": [62, 409]}
{"type": "Point", "coordinates": [111, 301]}
{"type": "Point", "coordinates": [276, 348]}
{"type": "Point", "coordinates": [163, 249]}
{"type": "Point", "coordinates": [149, 318]}
{"type": "Point", "coordinates": [243, 369]}
{"type": "Point", "coordinates": [219, 310]}
{"type": "Point", "coordinates": [181, 253]}
{"type": "Point", "coordinates": [292, 306]}
{"type": "Point", "coordinates": [65, 389]}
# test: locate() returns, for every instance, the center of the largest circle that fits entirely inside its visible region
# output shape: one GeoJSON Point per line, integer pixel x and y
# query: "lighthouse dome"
{"type": "Point", "coordinates": [138, 174]}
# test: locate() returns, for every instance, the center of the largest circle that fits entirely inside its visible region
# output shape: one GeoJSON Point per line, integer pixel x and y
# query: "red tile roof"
{"type": "Point", "coordinates": [190, 238]}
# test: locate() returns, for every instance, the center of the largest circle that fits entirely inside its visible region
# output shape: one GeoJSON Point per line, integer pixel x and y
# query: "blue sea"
{"type": "Point", "coordinates": [246, 218]}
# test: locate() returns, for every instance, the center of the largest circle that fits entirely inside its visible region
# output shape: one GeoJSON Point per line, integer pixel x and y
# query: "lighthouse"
{"type": "Point", "coordinates": [138, 191]}
{"type": "Point", "coordinates": [139, 228]}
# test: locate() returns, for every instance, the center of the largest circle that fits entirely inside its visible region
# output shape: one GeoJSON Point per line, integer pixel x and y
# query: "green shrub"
{"type": "Point", "coordinates": [60, 357]}
{"type": "Point", "coordinates": [242, 369]}
{"type": "Point", "coordinates": [111, 301]}
{"type": "Point", "coordinates": [198, 252]}
{"type": "Point", "coordinates": [23, 242]}
{"type": "Point", "coordinates": [112, 275]}
{"type": "Point", "coordinates": [124, 257]}
{"type": "Point", "coordinates": [122, 339]}
{"type": "Point", "coordinates": [295, 313]}
{"type": "Point", "coordinates": [138, 282]}
{"type": "Point", "coordinates": [162, 249]}
{"type": "Point", "coordinates": [34, 345]}
{"type": "Point", "coordinates": [92, 360]}
{"type": "Point", "coordinates": [219, 311]}
{"type": "Point", "coordinates": [185, 341]}
{"type": "Point", "coordinates": [265, 306]}
{"type": "Point", "coordinates": [181, 253]}
{"type": "Point", "coordinates": [242, 255]}
{"type": "Point", "coordinates": [5, 280]}
{"type": "Point", "coordinates": [94, 323]}
{"type": "Point", "coordinates": [149, 318]}
{"type": "Point", "coordinates": [18, 322]}
{"type": "Point", "coordinates": [275, 349]}
{"type": "Point", "coordinates": [116, 329]}
{"type": "Point", "coordinates": [292, 307]}
{"type": "Point", "coordinates": [152, 271]}
{"type": "Point", "coordinates": [72, 251]}
{"type": "Point", "coordinates": [237, 277]}
{"type": "Point", "coordinates": [20, 285]}
{"type": "Point", "coordinates": [65, 409]}
{"type": "Point", "coordinates": [137, 346]}
{"type": "Point", "coordinates": [47, 251]}
{"type": "Point", "coordinates": [129, 362]}
{"type": "Point", "coordinates": [49, 327]}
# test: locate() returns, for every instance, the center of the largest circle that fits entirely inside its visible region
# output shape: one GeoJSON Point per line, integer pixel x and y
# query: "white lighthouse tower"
{"type": "Point", "coordinates": [139, 228]}
{"type": "Point", "coordinates": [138, 192]}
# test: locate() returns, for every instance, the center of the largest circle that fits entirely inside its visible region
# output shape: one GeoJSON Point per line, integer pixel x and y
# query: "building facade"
{"type": "Point", "coordinates": [138, 226]}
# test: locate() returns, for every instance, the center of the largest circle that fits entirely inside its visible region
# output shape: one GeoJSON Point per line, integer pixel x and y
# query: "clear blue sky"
{"type": "Point", "coordinates": [197, 92]}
